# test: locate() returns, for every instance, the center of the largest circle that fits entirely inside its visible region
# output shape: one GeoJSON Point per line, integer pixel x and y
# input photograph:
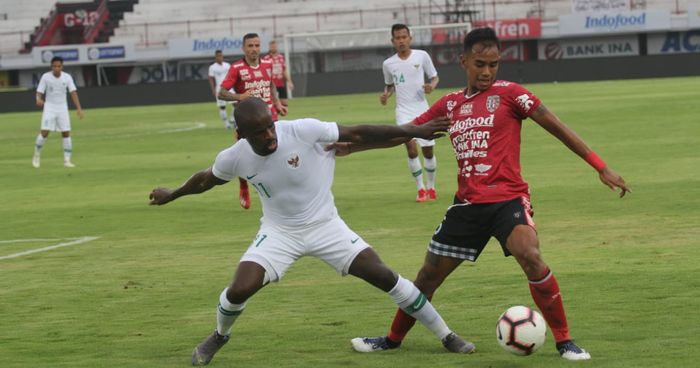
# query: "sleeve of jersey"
{"type": "Point", "coordinates": [71, 85]}
{"type": "Point", "coordinates": [388, 78]}
{"type": "Point", "coordinates": [524, 101]}
{"type": "Point", "coordinates": [211, 71]}
{"type": "Point", "coordinates": [231, 78]}
{"type": "Point", "coordinates": [437, 110]}
{"type": "Point", "coordinates": [315, 131]}
{"type": "Point", "coordinates": [41, 88]}
{"type": "Point", "coordinates": [225, 164]}
{"type": "Point", "coordinates": [428, 67]}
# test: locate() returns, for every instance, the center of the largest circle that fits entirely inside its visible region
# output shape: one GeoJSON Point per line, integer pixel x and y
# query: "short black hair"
{"type": "Point", "coordinates": [486, 36]}
{"type": "Point", "coordinates": [250, 35]}
{"type": "Point", "coordinates": [218, 52]}
{"type": "Point", "coordinates": [398, 27]}
{"type": "Point", "coordinates": [57, 58]}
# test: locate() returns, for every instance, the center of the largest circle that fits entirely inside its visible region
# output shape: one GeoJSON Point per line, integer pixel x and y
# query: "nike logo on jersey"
{"type": "Point", "coordinates": [250, 177]}
{"type": "Point", "coordinates": [354, 240]}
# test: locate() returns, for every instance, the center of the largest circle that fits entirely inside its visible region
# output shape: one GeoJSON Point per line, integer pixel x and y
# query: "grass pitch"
{"type": "Point", "coordinates": [144, 293]}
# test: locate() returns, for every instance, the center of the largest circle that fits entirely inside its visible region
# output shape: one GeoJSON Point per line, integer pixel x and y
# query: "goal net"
{"type": "Point", "coordinates": [309, 54]}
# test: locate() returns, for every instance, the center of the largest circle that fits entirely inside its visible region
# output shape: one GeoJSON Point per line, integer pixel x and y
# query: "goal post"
{"type": "Point", "coordinates": [363, 49]}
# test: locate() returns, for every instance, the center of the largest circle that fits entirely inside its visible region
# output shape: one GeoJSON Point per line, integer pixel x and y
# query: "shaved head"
{"type": "Point", "coordinates": [251, 112]}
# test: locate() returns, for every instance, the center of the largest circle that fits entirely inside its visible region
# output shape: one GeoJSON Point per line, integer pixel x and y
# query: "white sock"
{"type": "Point", "coordinates": [38, 144]}
{"type": "Point", "coordinates": [430, 167]}
{"type": "Point", "coordinates": [416, 171]}
{"type": "Point", "coordinates": [222, 115]}
{"type": "Point", "coordinates": [67, 148]}
{"type": "Point", "coordinates": [226, 314]}
{"type": "Point", "coordinates": [416, 304]}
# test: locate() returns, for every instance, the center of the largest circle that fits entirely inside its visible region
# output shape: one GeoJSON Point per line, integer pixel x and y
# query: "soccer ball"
{"type": "Point", "coordinates": [521, 330]}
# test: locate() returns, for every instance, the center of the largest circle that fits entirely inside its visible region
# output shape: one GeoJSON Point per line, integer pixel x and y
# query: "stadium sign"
{"type": "Point", "coordinates": [694, 18]}
{"type": "Point", "coordinates": [83, 54]}
{"type": "Point", "coordinates": [509, 29]}
{"type": "Point", "coordinates": [588, 48]}
{"type": "Point", "coordinates": [205, 47]}
{"type": "Point", "coordinates": [674, 43]}
{"type": "Point", "coordinates": [632, 21]}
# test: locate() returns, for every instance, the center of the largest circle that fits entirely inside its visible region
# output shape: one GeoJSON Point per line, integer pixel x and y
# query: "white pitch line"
{"type": "Point", "coordinates": [84, 239]}
{"type": "Point", "coordinates": [32, 240]}
{"type": "Point", "coordinates": [196, 126]}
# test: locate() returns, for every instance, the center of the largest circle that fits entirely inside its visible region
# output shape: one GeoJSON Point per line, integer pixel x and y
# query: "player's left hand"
{"type": "Point", "coordinates": [80, 114]}
{"type": "Point", "coordinates": [281, 109]}
{"type": "Point", "coordinates": [430, 129]}
{"type": "Point", "coordinates": [341, 148]}
{"type": "Point", "coordinates": [427, 88]}
{"type": "Point", "coordinates": [610, 178]}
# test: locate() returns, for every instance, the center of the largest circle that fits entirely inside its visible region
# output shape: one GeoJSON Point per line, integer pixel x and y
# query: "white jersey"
{"type": "Point", "coordinates": [408, 77]}
{"type": "Point", "coordinates": [218, 72]}
{"type": "Point", "coordinates": [54, 90]}
{"type": "Point", "coordinates": [294, 182]}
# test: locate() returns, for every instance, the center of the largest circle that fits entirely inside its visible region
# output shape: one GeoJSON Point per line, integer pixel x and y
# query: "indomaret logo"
{"type": "Point", "coordinates": [469, 123]}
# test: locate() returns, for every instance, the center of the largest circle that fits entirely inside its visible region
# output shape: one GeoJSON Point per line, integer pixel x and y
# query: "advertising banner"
{"type": "Point", "coordinates": [674, 42]}
{"type": "Point", "coordinates": [588, 48]}
{"type": "Point", "coordinates": [594, 6]}
{"type": "Point", "coordinates": [615, 22]}
{"type": "Point", "coordinates": [206, 46]}
{"type": "Point", "coordinates": [509, 29]}
{"type": "Point", "coordinates": [694, 18]}
{"type": "Point", "coordinates": [83, 54]}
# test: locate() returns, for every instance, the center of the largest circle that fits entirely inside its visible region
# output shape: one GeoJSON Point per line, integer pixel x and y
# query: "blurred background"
{"type": "Point", "coordinates": [139, 52]}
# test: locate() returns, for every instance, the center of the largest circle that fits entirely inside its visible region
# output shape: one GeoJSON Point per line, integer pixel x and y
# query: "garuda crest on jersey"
{"type": "Point", "coordinates": [293, 161]}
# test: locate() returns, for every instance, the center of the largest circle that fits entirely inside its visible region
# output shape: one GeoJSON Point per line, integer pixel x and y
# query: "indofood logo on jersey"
{"type": "Point", "coordinates": [462, 125]}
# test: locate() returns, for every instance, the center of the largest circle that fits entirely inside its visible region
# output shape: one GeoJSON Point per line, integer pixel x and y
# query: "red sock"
{"type": "Point", "coordinates": [402, 324]}
{"type": "Point", "coordinates": [243, 184]}
{"type": "Point", "coordinates": [545, 292]}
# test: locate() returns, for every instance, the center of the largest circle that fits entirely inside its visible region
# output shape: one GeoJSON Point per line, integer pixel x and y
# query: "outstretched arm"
{"type": "Point", "coordinates": [551, 123]}
{"type": "Point", "coordinates": [197, 183]}
{"type": "Point", "coordinates": [364, 137]}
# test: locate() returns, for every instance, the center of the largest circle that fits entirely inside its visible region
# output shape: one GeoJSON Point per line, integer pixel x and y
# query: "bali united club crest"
{"type": "Point", "coordinates": [293, 161]}
{"type": "Point", "coordinates": [492, 103]}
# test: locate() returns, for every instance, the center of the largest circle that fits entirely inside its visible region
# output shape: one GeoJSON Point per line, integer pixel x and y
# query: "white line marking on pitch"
{"type": "Point", "coordinates": [197, 125]}
{"type": "Point", "coordinates": [32, 240]}
{"type": "Point", "coordinates": [75, 241]}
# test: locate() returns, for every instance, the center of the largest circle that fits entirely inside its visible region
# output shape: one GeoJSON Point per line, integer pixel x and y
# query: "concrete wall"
{"type": "Point", "coordinates": [371, 81]}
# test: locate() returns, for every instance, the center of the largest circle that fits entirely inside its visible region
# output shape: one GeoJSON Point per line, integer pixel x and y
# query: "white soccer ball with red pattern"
{"type": "Point", "coordinates": [521, 330]}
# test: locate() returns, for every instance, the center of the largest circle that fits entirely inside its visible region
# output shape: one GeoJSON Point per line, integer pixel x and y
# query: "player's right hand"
{"type": "Point", "coordinates": [160, 196]}
{"type": "Point", "coordinates": [39, 102]}
{"type": "Point", "coordinates": [244, 95]}
{"type": "Point", "coordinates": [383, 98]}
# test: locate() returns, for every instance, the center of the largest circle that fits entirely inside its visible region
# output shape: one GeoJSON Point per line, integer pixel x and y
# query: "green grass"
{"type": "Point", "coordinates": [145, 292]}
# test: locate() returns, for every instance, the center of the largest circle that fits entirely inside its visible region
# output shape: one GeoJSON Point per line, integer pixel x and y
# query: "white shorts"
{"type": "Point", "coordinates": [405, 119]}
{"type": "Point", "coordinates": [276, 248]}
{"type": "Point", "coordinates": [58, 121]}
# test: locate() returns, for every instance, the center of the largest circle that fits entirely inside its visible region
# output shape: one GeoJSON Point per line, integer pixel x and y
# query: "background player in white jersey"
{"type": "Point", "coordinates": [404, 73]}
{"type": "Point", "coordinates": [51, 95]}
{"type": "Point", "coordinates": [217, 73]}
{"type": "Point", "coordinates": [292, 171]}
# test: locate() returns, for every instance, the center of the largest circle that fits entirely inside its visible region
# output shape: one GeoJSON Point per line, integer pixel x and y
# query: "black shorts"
{"type": "Point", "coordinates": [467, 228]}
{"type": "Point", "coordinates": [282, 92]}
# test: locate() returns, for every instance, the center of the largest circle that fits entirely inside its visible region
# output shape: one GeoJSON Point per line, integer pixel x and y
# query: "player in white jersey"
{"type": "Point", "coordinates": [291, 168]}
{"type": "Point", "coordinates": [51, 95]}
{"type": "Point", "coordinates": [217, 73]}
{"type": "Point", "coordinates": [404, 73]}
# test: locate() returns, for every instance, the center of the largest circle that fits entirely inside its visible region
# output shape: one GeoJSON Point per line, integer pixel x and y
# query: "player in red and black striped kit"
{"type": "Point", "coordinates": [251, 77]}
{"type": "Point", "coordinates": [492, 199]}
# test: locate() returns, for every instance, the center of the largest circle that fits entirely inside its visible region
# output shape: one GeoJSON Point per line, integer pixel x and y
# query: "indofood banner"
{"type": "Point", "coordinates": [206, 46]}
{"type": "Point", "coordinates": [614, 22]}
